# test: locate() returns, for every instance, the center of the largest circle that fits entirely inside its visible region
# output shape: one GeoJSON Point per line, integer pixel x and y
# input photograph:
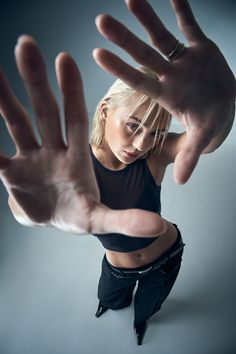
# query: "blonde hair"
{"type": "Point", "coordinates": [119, 93]}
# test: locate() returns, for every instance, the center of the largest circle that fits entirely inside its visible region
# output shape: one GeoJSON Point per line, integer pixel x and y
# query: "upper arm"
{"type": "Point", "coordinates": [171, 147]}
{"type": "Point", "coordinates": [158, 162]}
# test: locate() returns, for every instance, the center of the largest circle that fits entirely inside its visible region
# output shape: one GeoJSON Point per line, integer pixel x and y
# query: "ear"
{"type": "Point", "coordinates": [103, 111]}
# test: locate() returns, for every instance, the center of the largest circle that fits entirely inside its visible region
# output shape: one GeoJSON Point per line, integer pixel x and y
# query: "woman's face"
{"type": "Point", "coordinates": [124, 138]}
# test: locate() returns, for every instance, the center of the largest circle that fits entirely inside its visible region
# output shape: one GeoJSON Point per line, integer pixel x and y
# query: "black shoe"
{"type": "Point", "coordinates": [139, 331]}
{"type": "Point", "coordinates": [101, 309]}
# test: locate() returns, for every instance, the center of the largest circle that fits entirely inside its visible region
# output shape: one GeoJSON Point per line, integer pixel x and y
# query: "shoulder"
{"type": "Point", "coordinates": [171, 147]}
{"type": "Point", "coordinates": [158, 162]}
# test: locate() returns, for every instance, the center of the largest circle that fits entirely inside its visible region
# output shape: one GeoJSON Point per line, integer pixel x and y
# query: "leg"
{"type": "Point", "coordinates": [154, 288]}
{"type": "Point", "coordinates": [114, 293]}
{"type": "Point", "coordinates": [152, 291]}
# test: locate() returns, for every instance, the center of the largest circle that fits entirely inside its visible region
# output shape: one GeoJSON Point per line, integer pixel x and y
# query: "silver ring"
{"type": "Point", "coordinates": [176, 52]}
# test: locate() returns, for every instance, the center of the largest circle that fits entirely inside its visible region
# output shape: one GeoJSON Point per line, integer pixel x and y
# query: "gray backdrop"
{"type": "Point", "coordinates": [48, 279]}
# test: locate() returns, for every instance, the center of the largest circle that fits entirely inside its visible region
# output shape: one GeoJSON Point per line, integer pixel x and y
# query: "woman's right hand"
{"type": "Point", "coordinates": [53, 183]}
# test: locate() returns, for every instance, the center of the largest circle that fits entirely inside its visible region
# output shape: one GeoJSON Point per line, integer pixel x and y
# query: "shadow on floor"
{"type": "Point", "coordinates": [175, 309]}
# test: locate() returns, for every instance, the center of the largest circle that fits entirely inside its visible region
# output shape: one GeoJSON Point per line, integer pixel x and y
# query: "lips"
{"type": "Point", "coordinates": [130, 154]}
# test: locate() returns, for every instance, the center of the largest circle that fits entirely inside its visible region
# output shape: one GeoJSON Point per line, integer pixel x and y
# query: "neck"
{"type": "Point", "coordinates": [106, 157]}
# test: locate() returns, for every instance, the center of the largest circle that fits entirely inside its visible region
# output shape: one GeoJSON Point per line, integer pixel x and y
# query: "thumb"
{"type": "Point", "coordinates": [130, 222]}
{"type": "Point", "coordinates": [187, 158]}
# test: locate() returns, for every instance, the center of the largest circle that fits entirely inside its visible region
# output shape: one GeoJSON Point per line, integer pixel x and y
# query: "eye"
{"type": "Point", "coordinates": [132, 126]}
{"type": "Point", "coordinates": [162, 132]}
{"type": "Point", "coordinates": [159, 133]}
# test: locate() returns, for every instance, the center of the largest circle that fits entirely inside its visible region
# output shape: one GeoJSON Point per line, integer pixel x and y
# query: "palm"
{"type": "Point", "coordinates": [188, 93]}
{"type": "Point", "coordinates": [54, 183]}
{"type": "Point", "coordinates": [57, 179]}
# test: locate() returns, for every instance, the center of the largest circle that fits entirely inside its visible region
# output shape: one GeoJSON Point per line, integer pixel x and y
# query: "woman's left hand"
{"type": "Point", "coordinates": [197, 87]}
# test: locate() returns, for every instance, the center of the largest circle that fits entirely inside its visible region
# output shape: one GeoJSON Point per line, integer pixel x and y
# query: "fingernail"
{"type": "Point", "coordinates": [97, 19]}
{"type": "Point", "coordinates": [25, 37]}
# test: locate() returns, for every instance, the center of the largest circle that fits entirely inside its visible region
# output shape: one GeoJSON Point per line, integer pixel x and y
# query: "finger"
{"type": "Point", "coordinates": [71, 86]}
{"type": "Point", "coordinates": [187, 22]}
{"type": "Point", "coordinates": [164, 40]}
{"type": "Point", "coordinates": [4, 162]}
{"type": "Point", "coordinates": [16, 118]}
{"type": "Point", "coordinates": [32, 70]}
{"type": "Point", "coordinates": [137, 49]}
{"type": "Point", "coordinates": [125, 72]}
{"type": "Point", "coordinates": [187, 159]}
{"type": "Point", "coordinates": [130, 222]}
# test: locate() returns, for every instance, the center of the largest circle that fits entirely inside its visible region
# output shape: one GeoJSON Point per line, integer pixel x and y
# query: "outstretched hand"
{"type": "Point", "coordinates": [198, 87]}
{"type": "Point", "coordinates": [53, 183]}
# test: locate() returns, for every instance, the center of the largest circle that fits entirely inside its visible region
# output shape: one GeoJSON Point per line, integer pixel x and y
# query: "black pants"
{"type": "Point", "coordinates": [155, 281]}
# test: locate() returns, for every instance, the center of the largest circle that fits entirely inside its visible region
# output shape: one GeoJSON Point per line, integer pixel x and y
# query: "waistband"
{"type": "Point", "coordinates": [177, 247]}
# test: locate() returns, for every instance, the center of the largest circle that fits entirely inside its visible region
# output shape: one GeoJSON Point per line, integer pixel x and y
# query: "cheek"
{"type": "Point", "coordinates": [117, 133]}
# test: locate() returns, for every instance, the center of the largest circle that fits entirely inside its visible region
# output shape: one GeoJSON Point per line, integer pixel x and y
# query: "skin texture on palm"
{"type": "Point", "coordinates": [198, 88]}
{"type": "Point", "coordinates": [53, 183]}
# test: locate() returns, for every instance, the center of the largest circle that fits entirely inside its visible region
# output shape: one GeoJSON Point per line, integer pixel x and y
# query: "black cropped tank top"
{"type": "Point", "coordinates": [131, 187]}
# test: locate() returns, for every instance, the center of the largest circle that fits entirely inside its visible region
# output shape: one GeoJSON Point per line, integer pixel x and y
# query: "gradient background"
{"type": "Point", "coordinates": [48, 279]}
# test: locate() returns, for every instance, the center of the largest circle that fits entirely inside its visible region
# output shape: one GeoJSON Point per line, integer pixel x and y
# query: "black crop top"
{"type": "Point", "coordinates": [131, 187]}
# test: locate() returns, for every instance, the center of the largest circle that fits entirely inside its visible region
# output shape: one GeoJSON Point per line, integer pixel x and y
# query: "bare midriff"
{"type": "Point", "coordinates": [145, 255]}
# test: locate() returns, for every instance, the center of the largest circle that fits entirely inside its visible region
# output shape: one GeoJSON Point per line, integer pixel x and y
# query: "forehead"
{"type": "Point", "coordinates": [142, 111]}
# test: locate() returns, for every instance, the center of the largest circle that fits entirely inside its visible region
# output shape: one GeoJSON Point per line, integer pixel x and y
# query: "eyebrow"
{"type": "Point", "coordinates": [139, 120]}
{"type": "Point", "coordinates": [136, 118]}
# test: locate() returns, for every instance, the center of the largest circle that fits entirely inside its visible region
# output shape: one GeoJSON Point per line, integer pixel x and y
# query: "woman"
{"type": "Point", "coordinates": [58, 183]}
{"type": "Point", "coordinates": [131, 149]}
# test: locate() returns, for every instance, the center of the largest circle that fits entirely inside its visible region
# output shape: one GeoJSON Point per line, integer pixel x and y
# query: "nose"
{"type": "Point", "coordinates": [141, 143]}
